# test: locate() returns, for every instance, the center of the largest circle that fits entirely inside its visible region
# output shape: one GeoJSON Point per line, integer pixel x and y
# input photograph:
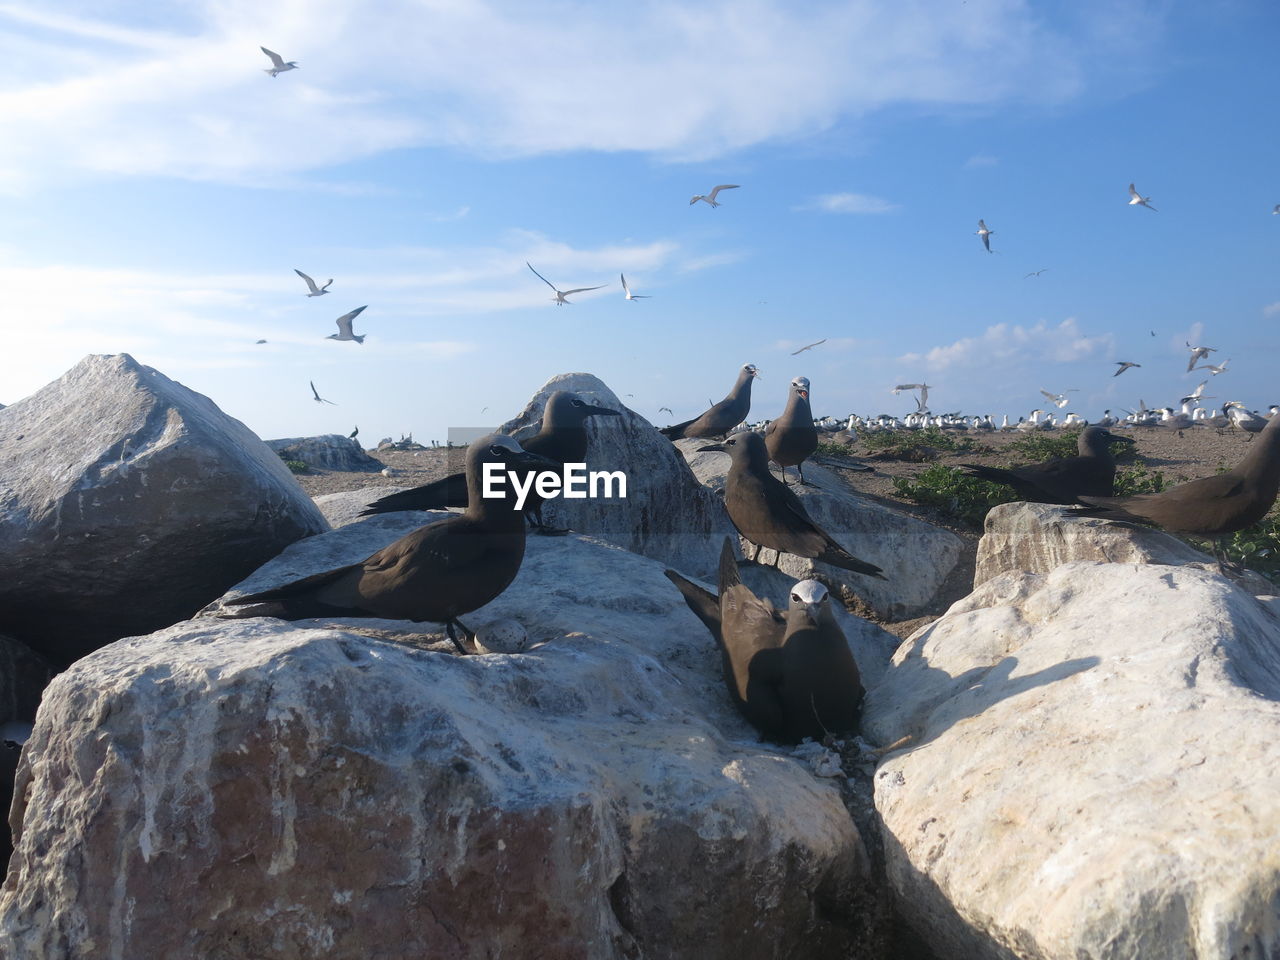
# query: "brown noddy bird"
{"type": "Point", "coordinates": [562, 437]}
{"type": "Point", "coordinates": [436, 573]}
{"type": "Point", "coordinates": [791, 675]}
{"type": "Point", "coordinates": [769, 514]}
{"type": "Point", "coordinates": [723, 416]}
{"type": "Point", "coordinates": [1065, 479]}
{"type": "Point", "coordinates": [792, 438]}
{"type": "Point", "coordinates": [1210, 506]}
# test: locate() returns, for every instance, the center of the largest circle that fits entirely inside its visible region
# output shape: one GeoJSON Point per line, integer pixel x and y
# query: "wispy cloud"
{"type": "Point", "coordinates": [508, 79]}
{"type": "Point", "coordinates": [708, 261]}
{"type": "Point", "coordinates": [1005, 344]}
{"type": "Point", "coordinates": [1271, 309]}
{"type": "Point", "coordinates": [848, 203]}
{"type": "Point", "coordinates": [981, 160]}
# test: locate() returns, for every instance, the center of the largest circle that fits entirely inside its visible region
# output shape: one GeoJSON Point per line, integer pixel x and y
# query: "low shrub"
{"type": "Point", "coordinates": [954, 494]}
{"type": "Point", "coordinates": [1138, 479]}
{"type": "Point", "coordinates": [917, 446]}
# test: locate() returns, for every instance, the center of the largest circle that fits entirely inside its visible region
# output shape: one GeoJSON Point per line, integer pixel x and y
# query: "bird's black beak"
{"type": "Point", "coordinates": [525, 460]}
{"type": "Point", "coordinates": [593, 411]}
{"type": "Point", "coordinates": [713, 447]}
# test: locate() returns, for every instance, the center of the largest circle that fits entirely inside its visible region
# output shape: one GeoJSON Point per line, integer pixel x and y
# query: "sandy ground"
{"type": "Point", "coordinates": [1197, 452]}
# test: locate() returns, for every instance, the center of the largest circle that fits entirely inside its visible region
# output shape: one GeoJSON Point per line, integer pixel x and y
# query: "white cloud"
{"type": "Point", "coordinates": [982, 160]}
{"type": "Point", "coordinates": [1271, 309]}
{"type": "Point", "coordinates": [1005, 345]}
{"type": "Point", "coordinates": [849, 203]}
{"type": "Point", "coordinates": [192, 101]}
{"type": "Point", "coordinates": [710, 260]}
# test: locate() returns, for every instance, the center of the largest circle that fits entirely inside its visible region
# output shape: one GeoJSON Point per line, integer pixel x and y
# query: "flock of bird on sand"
{"type": "Point", "coordinates": [790, 673]}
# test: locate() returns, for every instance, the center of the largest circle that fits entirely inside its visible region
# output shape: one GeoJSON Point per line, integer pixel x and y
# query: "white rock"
{"type": "Point", "coordinates": [1095, 770]}
{"type": "Point", "coordinates": [331, 451]}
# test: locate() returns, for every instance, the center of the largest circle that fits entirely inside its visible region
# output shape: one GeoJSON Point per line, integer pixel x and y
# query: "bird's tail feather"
{"type": "Point", "coordinates": [705, 605]}
{"type": "Point", "coordinates": [676, 431]}
{"type": "Point", "coordinates": [448, 492]}
{"type": "Point", "coordinates": [837, 556]}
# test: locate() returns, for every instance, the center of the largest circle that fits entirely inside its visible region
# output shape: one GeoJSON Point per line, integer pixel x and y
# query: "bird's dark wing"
{"type": "Point", "coordinates": [448, 492]}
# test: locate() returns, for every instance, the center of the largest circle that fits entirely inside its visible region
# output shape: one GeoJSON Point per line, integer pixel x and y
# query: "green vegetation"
{"type": "Point", "coordinates": [1138, 479]}
{"type": "Point", "coordinates": [917, 446]}
{"type": "Point", "coordinates": [295, 466]}
{"type": "Point", "coordinates": [827, 448]}
{"type": "Point", "coordinates": [954, 494]}
{"type": "Point", "coordinates": [1040, 445]}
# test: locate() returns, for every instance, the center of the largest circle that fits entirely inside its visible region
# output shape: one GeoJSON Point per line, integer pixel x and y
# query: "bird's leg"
{"type": "Point", "coordinates": [448, 628]}
{"type": "Point", "coordinates": [803, 481]}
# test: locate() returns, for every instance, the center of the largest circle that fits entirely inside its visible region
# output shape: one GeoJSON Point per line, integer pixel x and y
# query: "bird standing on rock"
{"type": "Point", "coordinates": [436, 573]}
{"type": "Point", "coordinates": [723, 416]}
{"type": "Point", "coordinates": [792, 438]}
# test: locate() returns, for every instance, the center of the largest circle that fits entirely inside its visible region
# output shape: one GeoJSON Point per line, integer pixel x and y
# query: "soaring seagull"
{"type": "Point", "coordinates": [1215, 369]}
{"type": "Point", "coordinates": [560, 295]}
{"type": "Point", "coordinates": [1198, 353]}
{"type": "Point", "coordinates": [985, 234]}
{"type": "Point", "coordinates": [1035, 273]}
{"type": "Point", "coordinates": [1059, 400]}
{"type": "Point", "coordinates": [625, 289]}
{"type": "Point", "coordinates": [344, 327]}
{"type": "Point", "coordinates": [922, 402]}
{"type": "Point", "coordinates": [809, 347]}
{"type": "Point", "coordinates": [1124, 365]}
{"type": "Point", "coordinates": [316, 394]}
{"type": "Point", "coordinates": [1137, 199]}
{"type": "Point", "coordinates": [278, 63]}
{"type": "Point", "coordinates": [711, 197]}
{"type": "Point", "coordinates": [311, 284]}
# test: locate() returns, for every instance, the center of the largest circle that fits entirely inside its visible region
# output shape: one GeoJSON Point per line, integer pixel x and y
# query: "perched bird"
{"type": "Point", "coordinates": [723, 416]}
{"type": "Point", "coordinates": [985, 234]}
{"type": "Point", "coordinates": [1035, 273]}
{"type": "Point", "coordinates": [559, 298]}
{"type": "Point", "coordinates": [1124, 365]}
{"type": "Point", "coordinates": [1245, 420]}
{"type": "Point", "coordinates": [922, 402]}
{"type": "Point", "coordinates": [627, 290]}
{"type": "Point", "coordinates": [711, 197]}
{"type": "Point", "coordinates": [790, 675]}
{"type": "Point", "coordinates": [1211, 506]}
{"type": "Point", "coordinates": [1063, 480]}
{"type": "Point", "coordinates": [278, 64]}
{"type": "Point", "coordinates": [561, 439]}
{"type": "Point", "coordinates": [316, 394]}
{"type": "Point", "coordinates": [1215, 369]}
{"type": "Point", "coordinates": [810, 346]}
{"type": "Point", "coordinates": [1198, 353]}
{"type": "Point", "coordinates": [436, 573]}
{"type": "Point", "coordinates": [1059, 400]}
{"type": "Point", "coordinates": [792, 438]}
{"type": "Point", "coordinates": [769, 514]}
{"type": "Point", "coordinates": [353, 434]}
{"type": "Point", "coordinates": [311, 285]}
{"type": "Point", "coordinates": [344, 327]}
{"type": "Point", "coordinates": [1136, 199]}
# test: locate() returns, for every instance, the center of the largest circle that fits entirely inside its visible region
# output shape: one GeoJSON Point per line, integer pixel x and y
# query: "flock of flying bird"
{"type": "Point", "coordinates": [790, 674]}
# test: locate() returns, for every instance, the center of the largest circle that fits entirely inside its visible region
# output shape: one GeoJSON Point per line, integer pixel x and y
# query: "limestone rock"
{"type": "Point", "coordinates": [332, 451]}
{"type": "Point", "coordinates": [129, 502]}
{"type": "Point", "coordinates": [916, 557]}
{"type": "Point", "coordinates": [596, 796]}
{"type": "Point", "coordinates": [1036, 537]}
{"type": "Point", "coordinates": [343, 508]}
{"type": "Point", "coordinates": [1095, 770]}
{"type": "Point", "coordinates": [666, 514]}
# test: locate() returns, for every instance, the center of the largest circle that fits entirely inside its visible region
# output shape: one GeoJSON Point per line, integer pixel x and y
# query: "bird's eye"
{"type": "Point", "coordinates": [796, 598]}
{"type": "Point", "coordinates": [731, 442]}
{"type": "Point", "coordinates": [576, 402]}
{"type": "Point", "coordinates": [495, 450]}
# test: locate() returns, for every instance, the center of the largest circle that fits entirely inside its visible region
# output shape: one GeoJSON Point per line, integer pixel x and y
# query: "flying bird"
{"type": "Point", "coordinates": [278, 63]}
{"type": "Point", "coordinates": [344, 327]}
{"type": "Point", "coordinates": [560, 295]}
{"type": "Point", "coordinates": [256, 342]}
{"type": "Point", "coordinates": [311, 284]}
{"type": "Point", "coordinates": [1035, 273]}
{"type": "Point", "coordinates": [985, 234]}
{"type": "Point", "coordinates": [1058, 399]}
{"type": "Point", "coordinates": [1216, 369]}
{"type": "Point", "coordinates": [1276, 210]}
{"type": "Point", "coordinates": [1124, 365]}
{"type": "Point", "coordinates": [809, 347]}
{"type": "Point", "coordinates": [319, 399]}
{"type": "Point", "coordinates": [922, 404]}
{"type": "Point", "coordinates": [711, 197]}
{"type": "Point", "coordinates": [1137, 199]}
{"type": "Point", "coordinates": [1197, 393]}
{"type": "Point", "coordinates": [668, 409]}
{"type": "Point", "coordinates": [627, 290]}
{"type": "Point", "coordinates": [1198, 353]}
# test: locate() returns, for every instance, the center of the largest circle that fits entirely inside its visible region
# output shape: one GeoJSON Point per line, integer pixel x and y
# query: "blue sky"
{"type": "Point", "coordinates": [157, 189]}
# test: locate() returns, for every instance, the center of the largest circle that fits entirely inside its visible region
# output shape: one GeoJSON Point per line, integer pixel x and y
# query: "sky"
{"type": "Point", "coordinates": [158, 189]}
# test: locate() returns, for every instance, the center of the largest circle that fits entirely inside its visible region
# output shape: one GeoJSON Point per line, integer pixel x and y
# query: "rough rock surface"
{"type": "Point", "coordinates": [23, 676]}
{"type": "Point", "coordinates": [332, 451]}
{"type": "Point", "coordinates": [1096, 769]}
{"type": "Point", "coordinates": [343, 508]}
{"type": "Point", "coordinates": [666, 514]}
{"type": "Point", "coordinates": [916, 557]}
{"type": "Point", "coordinates": [126, 502]}
{"type": "Point", "coordinates": [594, 797]}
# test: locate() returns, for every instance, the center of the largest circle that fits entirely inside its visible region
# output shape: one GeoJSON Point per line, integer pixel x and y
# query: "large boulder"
{"type": "Point", "coordinates": [1036, 537]}
{"type": "Point", "coordinates": [666, 513]}
{"type": "Point", "coordinates": [1094, 770]}
{"type": "Point", "coordinates": [127, 502]}
{"type": "Point", "coordinates": [916, 557]}
{"type": "Point", "coordinates": [332, 451]}
{"type": "Point", "coordinates": [304, 784]}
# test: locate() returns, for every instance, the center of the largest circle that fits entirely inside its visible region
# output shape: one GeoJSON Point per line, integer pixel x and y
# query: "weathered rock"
{"type": "Point", "coordinates": [916, 556]}
{"type": "Point", "coordinates": [23, 676]}
{"type": "Point", "coordinates": [1036, 537]}
{"type": "Point", "coordinates": [1095, 771]}
{"type": "Point", "coordinates": [666, 514]}
{"type": "Point", "coordinates": [332, 451]}
{"type": "Point", "coordinates": [129, 502]}
{"type": "Point", "coordinates": [594, 797]}
{"type": "Point", "coordinates": [343, 508]}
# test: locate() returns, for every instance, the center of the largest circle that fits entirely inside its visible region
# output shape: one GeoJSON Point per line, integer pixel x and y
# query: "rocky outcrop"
{"type": "Point", "coordinates": [128, 501]}
{"type": "Point", "coordinates": [1095, 769]}
{"type": "Point", "coordinates": [332, 451]}
{"type": "Point", "coordinates": [304, 784]}
{"type": "Point", "coordinates": [916, 556]}
{"type": "Point", "coordinates": [23, 676]}
{"type": "Point", "coordinates": [666, 513]}
{"type": "Point", "coordinates": [343, 508]}
{"type": "Point", "coordinates": [1036, 537]}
